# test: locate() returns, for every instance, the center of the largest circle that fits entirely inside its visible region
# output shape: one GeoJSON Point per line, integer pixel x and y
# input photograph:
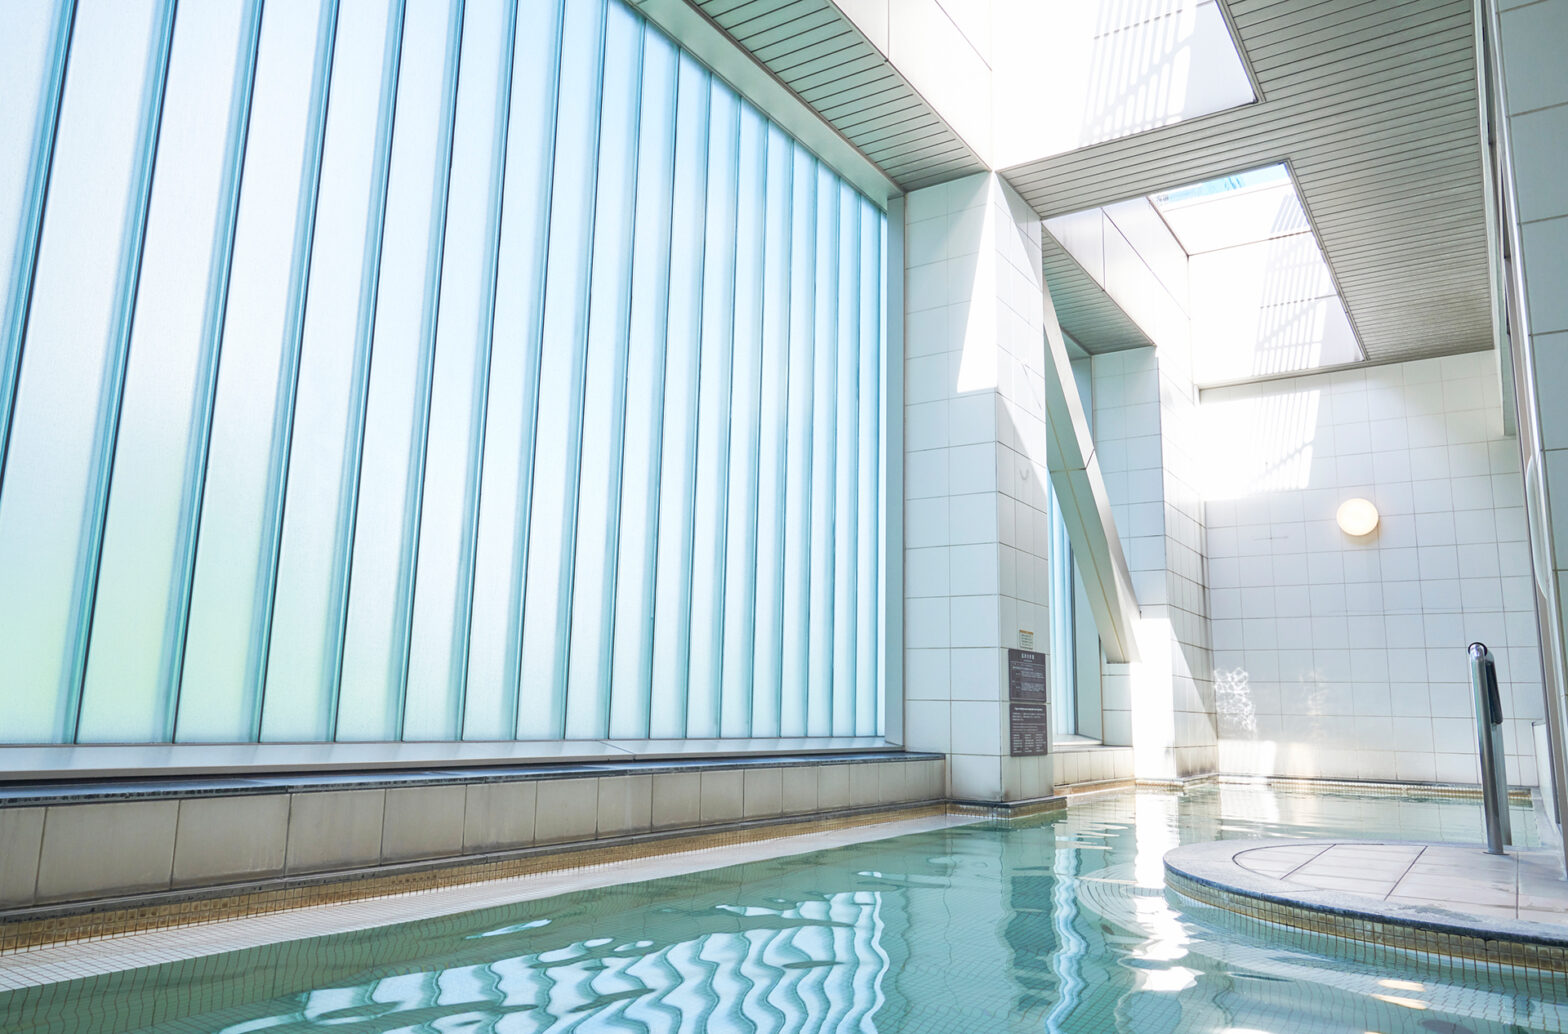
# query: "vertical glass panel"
{"type": "Point", "coordinates": [302, 665]}
{"type": "Point", "coordinates": [90, 232]}
{"type": "Point", "coordinates": [869, 473]}
{"type": "Point", "coordinates": [846, 527]}
{"type": "Point", "coordinates": [219, 695]}
{"type": "Point", "coordinates": [772, 438]}
{"type": "Point", "coordinates": [32, 71]}
{"type": "Point", "coordinates": [672, 593]}
{"type": "Point", "coordinates": [495, 636]}
{"type": "Point", "coordinates": [381, 573]}
{"type": "Point", "coordinates": [796, 623]}
{"type": "Point", "coordinates": [438, 645]}
{"type": "Point", "coordinates": [632, 658]}
{"type": "Point", "coordinates": [552, 523]}
{"type": "Point", "coordinates": [824, 417]}
{"type": "Point", "coordinates": [137, 617]}
{"type": "Point", "coordinates": [1088, 720]}
{"type": "Point", "coordinates": [441, 379]}
{"type": "Point", "coordinates": [885, 463]}
{"type": "Point", "coordinates": [1064, 705]}
{"type": "Point", "coordinates": [604, 396]}
{"type": "Point", "coordinates": [713, 416]}
{"type": "Point", "coordinates": [740, 563]}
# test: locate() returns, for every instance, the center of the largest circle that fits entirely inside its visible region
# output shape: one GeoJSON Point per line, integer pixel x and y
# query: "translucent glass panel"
{"type": "Point", "coordinates": [1233, 210]}
{"type": "Point", "coordinates": [79, 309]}
{"type": "Point", "coordinates": [401, 369]}
{"type": "Point", "coordinates": [1064, 697]}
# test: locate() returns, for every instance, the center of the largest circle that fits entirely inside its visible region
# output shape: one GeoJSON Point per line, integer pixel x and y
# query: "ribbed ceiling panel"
{"type": "Point", "coordinates": [1374, 105]}
{"type": "Point", "coordinates": [1085, 311]}
{"type": "Point", "coordinates": [817, 52]}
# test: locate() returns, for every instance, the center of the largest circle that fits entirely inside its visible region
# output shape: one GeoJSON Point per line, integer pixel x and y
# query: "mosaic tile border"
{"type": "Point", "coordinates": [1366, 787]}
{"type": "Point", "coordinates": [1076, 790]}
{"type": "Point", "coordinates": [1367, 938]}
{"type": "Point", "coordinates": [1442, 964]}
{"type": "Point", "coordinates": [1008, 809]}
{"type": "Point", "coordinates": [25, 929]}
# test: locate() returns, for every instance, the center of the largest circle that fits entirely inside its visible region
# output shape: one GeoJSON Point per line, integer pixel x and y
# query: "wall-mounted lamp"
{"type": "Point", "coordinates": [1357, 517]}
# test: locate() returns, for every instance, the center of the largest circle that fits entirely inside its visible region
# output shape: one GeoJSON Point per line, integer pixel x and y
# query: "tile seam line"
{"type": "Point", "coordinates": [1297, 869]}
{"type": "Point", "coordinates": [1406, 873]}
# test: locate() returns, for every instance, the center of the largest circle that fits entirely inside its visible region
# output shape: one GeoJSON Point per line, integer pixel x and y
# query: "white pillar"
{"type": "Point", "coordinates": [975, 528]}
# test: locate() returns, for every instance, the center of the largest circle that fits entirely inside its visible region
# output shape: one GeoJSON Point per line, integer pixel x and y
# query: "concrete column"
{"type": "Point", "coordinates": [975, 528]}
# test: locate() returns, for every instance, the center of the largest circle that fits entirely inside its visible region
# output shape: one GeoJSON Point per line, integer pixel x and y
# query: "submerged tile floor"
{"type": "Point", "coordinates": [1523, 884]}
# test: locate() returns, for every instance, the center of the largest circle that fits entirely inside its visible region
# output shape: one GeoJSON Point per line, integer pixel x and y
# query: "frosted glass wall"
{"type": "Point", "coordinates": [424, 370]}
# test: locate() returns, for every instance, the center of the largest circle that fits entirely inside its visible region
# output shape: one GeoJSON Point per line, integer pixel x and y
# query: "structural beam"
{"type": "Point", "coordinates": [1086, 508]}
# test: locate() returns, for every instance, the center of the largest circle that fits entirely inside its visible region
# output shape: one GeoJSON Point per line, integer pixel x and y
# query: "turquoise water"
{"type": "Point", "coordinates": [1055, 924]}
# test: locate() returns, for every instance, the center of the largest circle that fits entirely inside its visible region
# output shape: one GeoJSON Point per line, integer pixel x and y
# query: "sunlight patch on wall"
{"type": "Point", "coordinates": [1274, 456]}
{"type": "Point", "coordinates": [1072, 75]}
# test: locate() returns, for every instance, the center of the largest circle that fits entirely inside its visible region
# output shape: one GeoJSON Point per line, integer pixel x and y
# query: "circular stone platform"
{"type": "Point", "coordinates": [1448, 899]}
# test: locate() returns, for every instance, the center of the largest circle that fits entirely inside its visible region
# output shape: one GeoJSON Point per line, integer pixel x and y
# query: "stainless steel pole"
{"type": "Point", "coordinates": [1489, 738]}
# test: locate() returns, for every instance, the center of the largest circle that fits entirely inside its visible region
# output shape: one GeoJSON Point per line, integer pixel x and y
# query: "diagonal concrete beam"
{"type": "Point", "coordinates": [1086, 508]}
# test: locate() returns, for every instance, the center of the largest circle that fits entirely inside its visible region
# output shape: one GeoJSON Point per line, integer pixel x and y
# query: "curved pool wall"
{"type": "Point", "coordinates": [1053, 922]}
{"type": "Point", "coordinates": [1370, 922]}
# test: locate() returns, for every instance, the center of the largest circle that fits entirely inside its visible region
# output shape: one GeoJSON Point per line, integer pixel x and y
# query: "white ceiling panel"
{"type": "Point", "coordinates": [1374, 106]}
{"type": "Point", "coordinates": [814, 49]}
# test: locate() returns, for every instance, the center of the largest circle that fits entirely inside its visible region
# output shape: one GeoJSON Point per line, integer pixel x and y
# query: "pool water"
{"type": "Point", "coordinates": [1057, 923]}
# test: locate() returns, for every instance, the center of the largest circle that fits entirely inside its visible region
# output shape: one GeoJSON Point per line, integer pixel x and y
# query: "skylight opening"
{"type": "Point", "coordinates": [1251, 206]}
{"type": "Point", "coordinates": [1268, 176]}
{"type": "Point", "coordinates": [1073, 75]}
{"type": "Point", "coordinates": [1258, 299]}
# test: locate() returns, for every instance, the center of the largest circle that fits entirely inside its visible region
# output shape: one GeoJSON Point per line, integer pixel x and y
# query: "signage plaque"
{"type": "Point", "coordinates": [1028, 720]}
{"type": "Point", "coordinates": [1030, 732]}
{"type": "Point", "coordinates": [1026, 676]}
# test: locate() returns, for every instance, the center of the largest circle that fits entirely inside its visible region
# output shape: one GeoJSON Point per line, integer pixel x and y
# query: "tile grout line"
{"type": "Point", "coordinates": [1517, 891]}
{"type": "Point", "coordinates": [1402, 875]}
{"type": "Point", "coordinates": [1304, 864]}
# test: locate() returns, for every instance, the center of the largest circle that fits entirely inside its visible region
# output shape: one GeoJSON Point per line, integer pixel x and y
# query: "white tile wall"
{"type": "Point", "coordinates": [975, 529]}
{"type": "Point", "coordinates": [1345, 658]}
{"type": "Point", "coordinates": [1092, 765]}
{"type": "Point", "coordinates": [1145, 422]}
{"type": "Point", "coordinates": [1536, 95]}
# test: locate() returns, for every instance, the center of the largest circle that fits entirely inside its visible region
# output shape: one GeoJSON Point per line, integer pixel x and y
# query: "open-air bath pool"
{"type": "Point", "coordinates": [1056, 923]}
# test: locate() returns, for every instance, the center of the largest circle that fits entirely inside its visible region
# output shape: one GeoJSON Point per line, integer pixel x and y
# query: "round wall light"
{"type": "Point", "coordinates": [1357, 517]}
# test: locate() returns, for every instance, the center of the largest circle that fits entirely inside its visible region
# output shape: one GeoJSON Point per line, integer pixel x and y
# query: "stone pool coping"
{"type": "Point", "coordinates": [1210, 874]}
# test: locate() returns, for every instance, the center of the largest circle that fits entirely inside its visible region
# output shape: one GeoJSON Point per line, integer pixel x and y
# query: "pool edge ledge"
{"type": "Point", "coordinates": [1208, 874]}
{"type": "Point", "coordinates": [26, 929]}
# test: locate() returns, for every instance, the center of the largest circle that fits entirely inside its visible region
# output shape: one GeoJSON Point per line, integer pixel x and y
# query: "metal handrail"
{"type": "Point", "coordinates": [1489, 737]}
